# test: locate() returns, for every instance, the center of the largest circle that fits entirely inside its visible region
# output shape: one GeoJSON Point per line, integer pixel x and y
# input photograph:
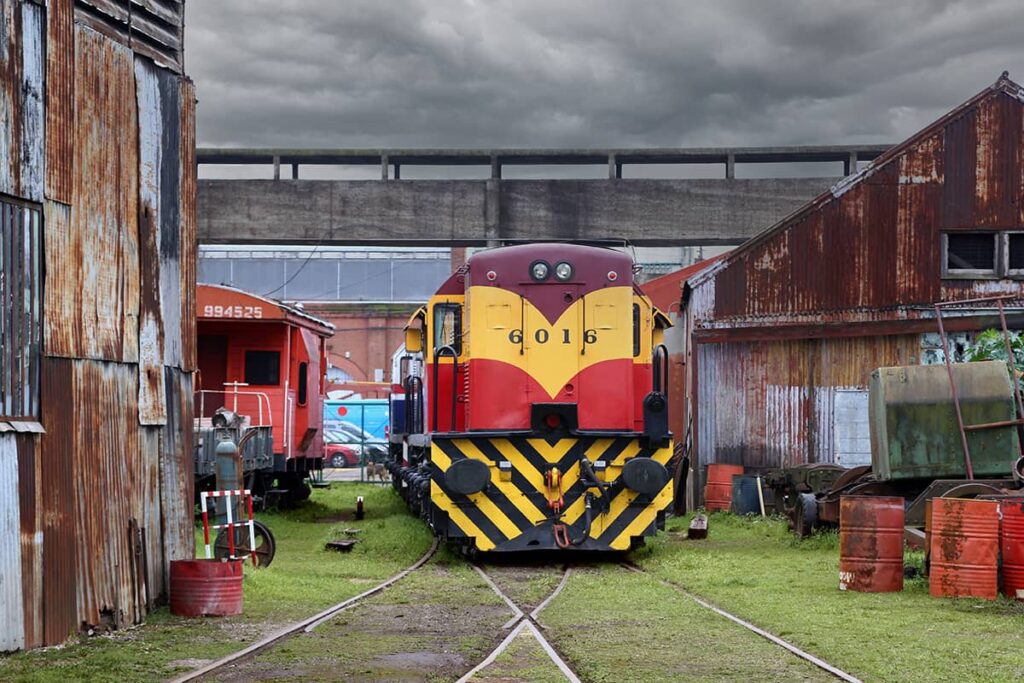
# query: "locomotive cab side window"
{"type": "Point", "coordinates": [263, 368]}
{"type": "Point", "coordinates": [448, 327]}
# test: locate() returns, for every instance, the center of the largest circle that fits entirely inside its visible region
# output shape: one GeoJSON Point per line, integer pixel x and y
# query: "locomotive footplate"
{"type": "Point", "coordinates": [575, 492]}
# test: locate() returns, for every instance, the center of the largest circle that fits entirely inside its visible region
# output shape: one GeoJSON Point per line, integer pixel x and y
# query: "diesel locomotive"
{"type": "Point", "coordinates": [535, 414]}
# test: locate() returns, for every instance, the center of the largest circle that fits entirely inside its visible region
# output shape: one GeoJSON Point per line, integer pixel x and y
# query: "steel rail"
{"type": "Point", "coordinates": [520, 622]}
{"type": "Point", "coordinates": [306, 625]}
{"type": "Point", "coordinates": [818, 662]}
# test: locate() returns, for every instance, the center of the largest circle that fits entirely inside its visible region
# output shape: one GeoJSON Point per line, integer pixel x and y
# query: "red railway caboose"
{"type": "Point", "coordinates": [267, 361]}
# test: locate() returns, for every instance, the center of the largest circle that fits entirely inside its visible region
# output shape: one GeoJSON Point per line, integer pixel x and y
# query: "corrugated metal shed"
{"type": "Point", "coordinates": [789, 325]}
{"type": "Point", "coordinates": [93, 114]}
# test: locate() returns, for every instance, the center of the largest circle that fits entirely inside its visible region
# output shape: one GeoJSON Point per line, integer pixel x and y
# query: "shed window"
{"type": "Point", "coordinates": [303, 382]}
{"type": "Point", "coordinates": [21, 284]}
{"type": "Point", "coordinates": [263, 368]}
{"type": "Point", "coordinates": [970, 254]}
{"type": "Point", "coordinates": [448, 327]}
{"type": "Point", "coordinates": [1015, 252]}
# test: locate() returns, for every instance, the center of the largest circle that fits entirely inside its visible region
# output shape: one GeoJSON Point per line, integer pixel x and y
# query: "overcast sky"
{"type": "Point", "coordinates": [601, 73]}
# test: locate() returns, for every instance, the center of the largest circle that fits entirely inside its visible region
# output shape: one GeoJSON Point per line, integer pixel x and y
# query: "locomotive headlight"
{"type": "Point", "coordinates": [539, 270]}
{"type": "Point", "coordinates": [563, 271]}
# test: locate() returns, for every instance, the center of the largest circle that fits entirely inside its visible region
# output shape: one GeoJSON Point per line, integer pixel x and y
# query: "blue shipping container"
{"type": "Point", "coordinates": [369, 416]}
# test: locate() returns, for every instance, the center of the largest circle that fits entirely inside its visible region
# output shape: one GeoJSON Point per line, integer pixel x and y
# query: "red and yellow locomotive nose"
{"type": "Point", "coordinates": [551, 327]}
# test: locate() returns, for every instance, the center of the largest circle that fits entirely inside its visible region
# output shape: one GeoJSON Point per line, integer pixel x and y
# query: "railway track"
{"type": "Point", "coordinates": [522, 620]}
{"type": "Point", "coordinates": [786, 645]}
{"type": "Point", "coordinates": [306, 625]}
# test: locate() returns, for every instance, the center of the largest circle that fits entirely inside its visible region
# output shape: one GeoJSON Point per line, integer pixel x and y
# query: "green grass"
{"type": "Point", "coordinates": [757, 570]}
{"type": "Point", "coordinates": [615, 625]}
{"type": "Point", "coordinates": [302, 579]}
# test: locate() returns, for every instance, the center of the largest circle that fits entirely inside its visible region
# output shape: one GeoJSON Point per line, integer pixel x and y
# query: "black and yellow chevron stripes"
{"type": "Point", "coordinates": [512, 512]}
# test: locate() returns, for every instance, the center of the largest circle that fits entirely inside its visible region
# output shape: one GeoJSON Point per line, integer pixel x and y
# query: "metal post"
{"type": "Point", "coordinates": [384, 167]}
{"type": "Point", "coordinates": [612, 168]}
{"type": "Point", "coordinates": [850, 164]}
{"type": "Point", "coordinates": [495, 167]}
{"type": "Point", "coordinates": [295, 171]}
{"type": "Point", "coordinates": [398, 171]}
{"type": "Point", "coordinates": [277, 168]}
{"type": "Point", "coordinates": [730, 167]}
{"type": "Point", "coordinates": [956, 395]}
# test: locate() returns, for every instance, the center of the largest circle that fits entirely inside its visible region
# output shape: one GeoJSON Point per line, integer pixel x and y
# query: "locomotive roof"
{"type": "Point", "coordinates": [243, 305]}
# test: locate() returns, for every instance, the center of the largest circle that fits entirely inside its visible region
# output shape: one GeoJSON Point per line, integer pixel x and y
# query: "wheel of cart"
{"type": "Point", "coordinates": [263, 552]}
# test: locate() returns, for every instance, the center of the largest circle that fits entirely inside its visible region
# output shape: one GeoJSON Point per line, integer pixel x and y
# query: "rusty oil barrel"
{"type": "Point", "coordinates": [964, 548]}
{"type": "Point", "coordinates": [206, 588]}
{"type": "Point", "coordinates": [1011, 543]}
{"type": "Point", "coordinates": [871, 543]}
{"type": "Point", "coordinates": [718, 489]}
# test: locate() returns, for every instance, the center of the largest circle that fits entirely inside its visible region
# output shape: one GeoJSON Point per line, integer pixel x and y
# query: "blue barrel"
{"type": "Point", "coordinates": [744, 495]}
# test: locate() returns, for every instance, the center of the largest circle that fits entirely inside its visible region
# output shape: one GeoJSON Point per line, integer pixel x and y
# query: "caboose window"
{"type": "Point", "coordinates": [303, 382]}
{"type": "Point", "coordinates": [636, 330]}
{"type": "Point", "coordinates": [21, 283]}
{"type": "Point", "coordinates": [448, 327]}
{"type": "Point", "coordinates": [263, 368]}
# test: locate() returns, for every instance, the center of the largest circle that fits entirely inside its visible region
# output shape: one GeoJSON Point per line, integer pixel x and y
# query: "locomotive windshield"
{"type": "Point", "coordinates": [448, 327]}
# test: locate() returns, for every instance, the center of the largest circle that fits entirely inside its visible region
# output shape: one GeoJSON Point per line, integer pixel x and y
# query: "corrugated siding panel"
{"type": "Point", "coordinates": [21, 101]}
{"type": "Point", "coordinates": [188, 247]}
{"type": "Point", "coordinates": [149, 457]}
{"type": "Point", "coordinates": [111, 484]}
{"type": "Point", "coordinates": [60, 98]}
{"type": "Point", "coordinates": [772, 404]}
{"type": "Point", "coordinates": [12, 617]}
{"type": "Point", "coordinates": [170, 215]}
{"type": "Point", "coordinates": [62, 301]}
{"type": "Point", "coordinates": [874, 244]}
{"type": "Point", "coordinates": [176, 471]}
{"type": "Point", "coordinates": [998, 165]}
{"type": "Point", "coordinates": [99, 268]}
{"type": "Point", "coordinates": [152, 410]}
{"type": "Point", "coordinates": [29, 481]}
{"type": "Point", "coordinates": [59, 500]}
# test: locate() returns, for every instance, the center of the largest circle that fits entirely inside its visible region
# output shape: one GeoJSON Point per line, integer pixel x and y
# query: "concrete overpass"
{"type": "Point", "coordinates": [390, 211]}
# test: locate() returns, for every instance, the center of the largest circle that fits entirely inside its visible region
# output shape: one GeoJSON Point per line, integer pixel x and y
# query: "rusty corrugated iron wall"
{"type": "Point", "coordinates": [810, 307]}
{"type": "Point", "coordinates": [102, 501]}
{"type": "Point", "coordinates": [770, 403]}
{"type": "Point", "coordinates": [873, 242]}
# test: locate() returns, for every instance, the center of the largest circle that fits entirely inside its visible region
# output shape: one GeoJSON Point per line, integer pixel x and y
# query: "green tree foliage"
{"type": "Point", "coordinates": [990, 345]}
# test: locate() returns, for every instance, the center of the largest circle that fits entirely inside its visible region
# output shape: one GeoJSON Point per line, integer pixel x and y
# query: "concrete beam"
{"type": "Point", "coordinates": [480, 212]}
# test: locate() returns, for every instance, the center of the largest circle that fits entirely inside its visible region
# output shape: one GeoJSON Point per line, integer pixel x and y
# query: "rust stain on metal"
{"type": "Point", "coordinates": [29, 487]}
{"type": "Point", "coordinates": [60, 99]}
{"type": "Point", "coordinates": [188, 225]}
{"type": "Point", "coordinates": [22, 64]}
{"type": "Point", "coordinates": [58, 608]}
{"type": "Point", "coordinates": [102, 282]}
{"type": "Point", "coordinates": [152, 409]}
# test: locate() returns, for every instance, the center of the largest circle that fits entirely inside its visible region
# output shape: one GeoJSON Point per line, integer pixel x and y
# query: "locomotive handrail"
{"type": "Point", "coordinates": [660, 368]}
{"type": "Point", "coordinates": [414, 405]}
{"type": "Point", "coordinates": [260, 397]}
{"type": "Point", "coordinates": [438, 355]}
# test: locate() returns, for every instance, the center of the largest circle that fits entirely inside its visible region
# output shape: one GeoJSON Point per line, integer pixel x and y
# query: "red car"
{"type": "Point", "coordinates": [340, 455]}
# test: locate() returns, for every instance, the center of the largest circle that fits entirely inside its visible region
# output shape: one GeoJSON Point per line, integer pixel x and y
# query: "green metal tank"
{"type": "Point", "coordinates": [912, 418]}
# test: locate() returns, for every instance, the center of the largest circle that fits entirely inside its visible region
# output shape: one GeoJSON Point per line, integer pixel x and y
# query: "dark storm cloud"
{"type": "Point", "coordinates": [536, 73]}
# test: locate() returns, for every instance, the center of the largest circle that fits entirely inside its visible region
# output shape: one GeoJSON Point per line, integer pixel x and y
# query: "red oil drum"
{"type": "Point", "coordinates": [964, 548]}
{"type": "Point", "coordinates": [871, 543]}
{"type": "Point", "coordinates": [1011, 542]}
{"type": "Point", "coordinates": [718, 489]}
{"type": "Point", "coordinates": [209, 588]}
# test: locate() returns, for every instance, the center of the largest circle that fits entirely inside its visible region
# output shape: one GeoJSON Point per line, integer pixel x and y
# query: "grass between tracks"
{"type": "Point", "coordinates": [755, 569]}
{"type": "Point", "coordinates": [302, 579]}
